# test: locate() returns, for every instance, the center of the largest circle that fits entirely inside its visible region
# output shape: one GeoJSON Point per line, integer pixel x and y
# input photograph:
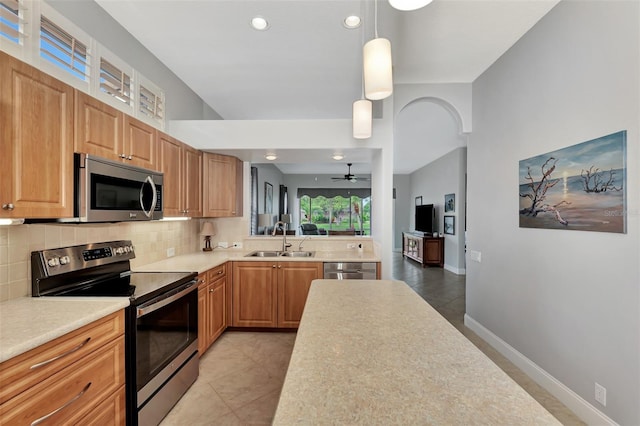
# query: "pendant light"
{"type": "Point", "coordinates": [362, 111]}
{"type": "Point", "coordinates": [407, 5]}
{"type": "Point", "coordinates": [362, 119]}
{"type": "Point", "coordinates": [378, 76]}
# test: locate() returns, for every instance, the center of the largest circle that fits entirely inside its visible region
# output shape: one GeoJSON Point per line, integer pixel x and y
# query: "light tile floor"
{"type": "Point", "coordinates": [242, 374]}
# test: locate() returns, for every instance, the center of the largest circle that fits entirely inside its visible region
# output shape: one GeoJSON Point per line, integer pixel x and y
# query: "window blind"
{"type": "Point", "coordinates": [115, 82]}
{"type": "Point", "coordinates": [62, 49]}
{"type": "Point", "coordinates": [334, 192]}
{"type": "Point", "coordinates": [11, 27]}
{"type": "Point", "coordinates": [151, 103]}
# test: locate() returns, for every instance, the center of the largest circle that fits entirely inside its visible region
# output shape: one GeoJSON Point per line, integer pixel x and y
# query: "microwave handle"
{"type": "Point", "coordinates": [155, 197]}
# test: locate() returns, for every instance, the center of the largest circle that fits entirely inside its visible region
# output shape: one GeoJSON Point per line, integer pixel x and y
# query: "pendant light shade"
{"type": "Point", "coordinates": [407, 5]}
{"type": "Point", "coordinates": [362, 119]}
{"type": "Point", "coordinates": [378, 77]}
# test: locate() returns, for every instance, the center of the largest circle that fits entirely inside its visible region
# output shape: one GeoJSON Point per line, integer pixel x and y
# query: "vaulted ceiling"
{"type": "Point", "coordinates": [307, 65]}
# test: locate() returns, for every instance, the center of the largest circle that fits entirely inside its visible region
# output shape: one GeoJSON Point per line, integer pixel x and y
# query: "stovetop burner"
{"type": "Point", "coordinates": [98, 270]}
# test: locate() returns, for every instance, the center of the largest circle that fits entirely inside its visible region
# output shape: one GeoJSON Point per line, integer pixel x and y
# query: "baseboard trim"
{"type": "Point", "coordinates": [581, 408]}
{"type": "Point", "coordinates": [457, 271]}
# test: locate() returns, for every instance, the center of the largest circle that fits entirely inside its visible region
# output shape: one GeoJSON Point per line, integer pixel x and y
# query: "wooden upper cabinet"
{"type": "Point", "coordinates": [171, 167]}
{"type": "Point", "coordinates": [36, 143]}
{"type": "Point", "coordinates": [222, 186]}
{"type": "Point", "coordinates": [140, 143]}
{"type": "Point", "coordinates": [105, 132]}
{"type": "Point", "coordinates": [182, 168]}
{"type": "Point", "coordinates": [98, 128]}
{"type": "Point", "coordinates": [192, 183]}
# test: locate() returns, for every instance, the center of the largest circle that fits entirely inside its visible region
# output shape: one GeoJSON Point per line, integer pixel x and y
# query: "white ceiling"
{"type": "Point", "coordinates": [307, 65]}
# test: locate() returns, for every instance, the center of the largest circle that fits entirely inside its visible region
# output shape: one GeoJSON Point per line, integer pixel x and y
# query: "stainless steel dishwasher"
{"type": "Point", "coordinates": [350, 271]}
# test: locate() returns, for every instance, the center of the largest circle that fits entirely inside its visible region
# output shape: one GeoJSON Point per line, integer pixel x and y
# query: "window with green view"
{"type": "Point", "coordinates": [337, 213]}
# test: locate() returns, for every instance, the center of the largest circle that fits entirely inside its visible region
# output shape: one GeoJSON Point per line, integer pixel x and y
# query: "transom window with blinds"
{"type": "Point", "coordinates": [38, 34]}
{"type": "Point", "coordinates": [115, 82]}
{"type": "Point", "coordinates": [11, 27]}
{"type": "Point", "coordinates": [63, 49]}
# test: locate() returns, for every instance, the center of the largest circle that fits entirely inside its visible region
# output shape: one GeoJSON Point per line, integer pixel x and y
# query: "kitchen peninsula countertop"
{"type": "Point", "coordinates": [28, 322]}
{"type": "Point", "coordinates": [374, 352]}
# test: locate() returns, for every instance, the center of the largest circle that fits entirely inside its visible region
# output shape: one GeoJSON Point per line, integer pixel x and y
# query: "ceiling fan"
{"type": "Point", "coordinates": [349, 176]}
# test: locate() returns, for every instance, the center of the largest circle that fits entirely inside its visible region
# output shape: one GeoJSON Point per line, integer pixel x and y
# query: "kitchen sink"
{"type": "Point", "coordinates": [298, 253]}
{"type": "Point", "coordinates": [261, 253]}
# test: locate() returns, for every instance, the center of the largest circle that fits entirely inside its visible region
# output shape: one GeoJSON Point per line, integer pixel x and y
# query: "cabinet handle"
{"type": "Point", "coordinates": [211, 290]}
{"type": "Point", "coordinates": [273, 266]}
{"type": "Point", "coordinates": [66, 404]}
{"type": "Point", "coordinates": [122, 156]}
{"type": "Point", "coordinates": [220, 272]}
{"type": "Point", "coordinates": [8, 206]}
{"type": "Point", "coordinates": [55, 358]}
{"type": "Point", "coordinates": [129, 157]}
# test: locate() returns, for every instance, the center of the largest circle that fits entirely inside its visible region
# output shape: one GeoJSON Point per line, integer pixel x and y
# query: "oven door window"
{"type": "Point", "coordinates": [163, 334]}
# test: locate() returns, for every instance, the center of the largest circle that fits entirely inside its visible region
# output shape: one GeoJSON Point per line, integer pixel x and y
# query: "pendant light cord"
{"type": "Point", "coordinates": [375, 19]}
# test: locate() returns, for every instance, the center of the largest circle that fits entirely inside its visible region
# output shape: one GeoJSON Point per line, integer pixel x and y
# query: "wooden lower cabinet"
{"type": "Point", "coordinates": [212, 306]}
{"type": "Point", "coordinates": [88, 389]}
{"type": "Point", "coordinates": [294, 281]}
{"type": "Point", "coordinates": [271, 294]}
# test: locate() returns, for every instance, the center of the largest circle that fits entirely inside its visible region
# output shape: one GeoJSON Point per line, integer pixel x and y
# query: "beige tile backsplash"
{"type": "Point", "coordinates": [150, 239]}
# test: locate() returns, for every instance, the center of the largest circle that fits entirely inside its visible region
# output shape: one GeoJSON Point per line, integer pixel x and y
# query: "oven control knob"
{"type": "Point", "coordinates": [64, 260]}
{"type": "Point", "coordinates": [119, 250]}
{"type": "Point", "coordinates": [54, 261]}
{"type": "Point", "coordinates": [127, 249]}
{"type": "Point", "coordinates": [131, 248]}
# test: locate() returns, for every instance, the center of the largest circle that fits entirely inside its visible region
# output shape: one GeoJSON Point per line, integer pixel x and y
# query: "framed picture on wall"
{"type": "Point", "coordinates": [450, 203]}
{"type": "Point", "coordinates": [268, 198]}
{"type": "Point", "coordinates": [419, 201]}
{"type": "Point", "coordinates": [450, 225]}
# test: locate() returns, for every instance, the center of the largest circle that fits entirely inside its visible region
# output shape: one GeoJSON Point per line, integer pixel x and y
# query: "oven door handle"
{"type": "Point", "coordinates": [164, 300]}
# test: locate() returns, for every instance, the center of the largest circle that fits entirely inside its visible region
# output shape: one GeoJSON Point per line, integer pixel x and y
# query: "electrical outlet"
{"type": "Point", "coordinates": [601, 394]}
{"type": "Point", "coordinates": [171, 252]}
{"type": "Point", "coordinates": [223, 244]}
{"type": "Point", "coordinates": [237, 245]}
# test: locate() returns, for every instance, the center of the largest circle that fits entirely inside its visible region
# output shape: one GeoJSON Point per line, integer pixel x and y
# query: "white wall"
{"type": "Point", "coordinates": [273, 175]}
{"type": "Point", "coordinates": [402, 186]}
{"type": "Point", "coordinates": [432, 182]}
{"type": "Point", "coordinates": [567, 301]}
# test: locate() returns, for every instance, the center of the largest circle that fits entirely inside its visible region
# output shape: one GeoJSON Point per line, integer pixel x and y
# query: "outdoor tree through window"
{"type": "Point", "coordinates": [337, 213]}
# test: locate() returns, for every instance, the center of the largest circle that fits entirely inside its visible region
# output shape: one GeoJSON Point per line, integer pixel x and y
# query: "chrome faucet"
{"type": "Point", "coordinates": [303, 240]}
{"type": "Point", "coordinates": [285, 244]}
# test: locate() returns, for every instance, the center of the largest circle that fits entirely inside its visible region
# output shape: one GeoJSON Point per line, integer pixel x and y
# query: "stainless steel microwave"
{"type": "Point", "coordinates": [110, 191]}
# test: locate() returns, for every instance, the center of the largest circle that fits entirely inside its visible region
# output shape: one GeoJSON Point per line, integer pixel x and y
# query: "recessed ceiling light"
{"type": "Point", "coordinates": [271, 157]}
{"type": "Point", "coordinates": [352, 22]}
{"type": "Point", "coordinates": [338, 157]}
{"type": "Point", "coordinates": [259, 23]}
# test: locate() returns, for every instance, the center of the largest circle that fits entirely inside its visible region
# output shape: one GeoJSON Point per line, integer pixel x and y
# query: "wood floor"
{"type": "Point", "coordinates": [242, 374]}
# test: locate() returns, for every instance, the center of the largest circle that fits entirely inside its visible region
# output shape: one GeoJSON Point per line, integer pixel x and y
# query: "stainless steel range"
{"type": "Point", "coordinates": [161, 321]}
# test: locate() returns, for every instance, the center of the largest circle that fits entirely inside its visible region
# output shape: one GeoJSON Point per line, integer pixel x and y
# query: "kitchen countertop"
{"type": "Point", "coordinates": [28, 322]}
{"type": "Point", "coordinates": [203, 261]}
{"type": "Point", "coordinates": [374, 352]}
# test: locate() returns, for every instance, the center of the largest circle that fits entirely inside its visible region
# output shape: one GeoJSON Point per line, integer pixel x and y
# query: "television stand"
{"type": "Point", "coordinates": [424, 249]}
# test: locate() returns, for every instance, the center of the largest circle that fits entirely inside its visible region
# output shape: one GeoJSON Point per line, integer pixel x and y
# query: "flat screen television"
{"type": "Point", "coordinates": [425, 218]}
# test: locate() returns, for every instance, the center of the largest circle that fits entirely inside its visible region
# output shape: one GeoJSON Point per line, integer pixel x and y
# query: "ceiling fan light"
{"type": "Point", "coordinates": [378, 75]}
{"type": "Point", "coordinates": [362, 119]}
{"type": "Point", "coordinates": [407, 5]}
